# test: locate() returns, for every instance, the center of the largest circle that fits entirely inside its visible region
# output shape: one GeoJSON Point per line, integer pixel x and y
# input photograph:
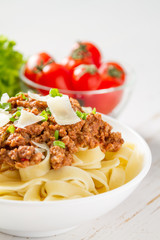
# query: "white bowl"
{"type": "Point", "coordinates": [39, 219]}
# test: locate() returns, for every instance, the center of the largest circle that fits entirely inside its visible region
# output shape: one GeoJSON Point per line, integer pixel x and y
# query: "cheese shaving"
{"type": "Point", "coordinates": [28, 118]}
{"type": "Point", "coordinates": [4, 98]}
{"type": "Point", "coordinates": [87, 109]}
{"type": "Point", "coordinates": [62, 110]}
{"type": "Point", "coordinates": [38, 97]}
{"type": "Point", "coordinates": [4, 118]}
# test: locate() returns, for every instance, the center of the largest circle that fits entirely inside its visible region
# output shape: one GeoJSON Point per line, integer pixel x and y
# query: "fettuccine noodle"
{"type": "Point", "coordinates": [92, 172]}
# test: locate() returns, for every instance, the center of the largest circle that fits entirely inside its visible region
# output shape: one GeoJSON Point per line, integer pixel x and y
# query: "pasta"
{"type": "Point", "coordinates": [52, 149]}
{"type": "Point", "coordinates": [91, 173]}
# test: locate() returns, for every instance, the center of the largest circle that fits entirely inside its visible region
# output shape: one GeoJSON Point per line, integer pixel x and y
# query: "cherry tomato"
{"type": "Point", "coordinates": [35, 64]}
{"type": "Point", "coordinates": [74, 60]}
{"type": "Point", "coordinates": [54, 75]}
{"type": "Point", "coordinates": [83, 53]}
{"type": "Point", "coordinates": [95, 53]}
{"type": "Point", "coordinates": [86, 77]}
{"type": "Point", "coordinates": [112, 75]}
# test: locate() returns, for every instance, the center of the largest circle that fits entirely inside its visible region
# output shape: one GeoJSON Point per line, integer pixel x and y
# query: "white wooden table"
{"type": "Point", "coordinates": [125, 30]}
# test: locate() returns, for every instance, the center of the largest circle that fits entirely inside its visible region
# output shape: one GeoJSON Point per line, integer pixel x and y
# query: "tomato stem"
{"type": "Point", "coordinates": [92, 69]}
{"type": "Point", "coordinates": [39, 68]}
{"type": "Point", "coordinates": [114, 72]}
{"type": "Point", "coordinates": [80, 52]}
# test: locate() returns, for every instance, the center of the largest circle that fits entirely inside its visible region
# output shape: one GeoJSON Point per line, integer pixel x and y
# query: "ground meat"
{"type": "Point", "coordinates": [16, 139]}
{"type": "Point", "coordinates": [113, 142]}
{"type": "Point", "coordinates": [34, 130]}
{"type": "Point", "coordinates": [69, 144]}
{"type": "Point", "coordinates": [24, 134]}
{"type": "Point", "coordinates": [36, 158]}
{"type": "Point", "coordinates": [39, 105]}
{"type": "Point", "coordinates": [13, 154]}
{"type": "Point", "coordinates": [75, 105]}
{"type": "Point", "coordinates": [3, 155]}
{"type": "Point", "coordinates": [4, 158]}
{"type": "Point", "coordinates": [26, 152]}
{"type": "Point", "coordinates": [59, 158]}
{"type": "Point", "coordinates": [18, 151]}
{"type": "Point", "coordinates": [23, 164]}
{"type": "Point", "coordinates": [34, 111]}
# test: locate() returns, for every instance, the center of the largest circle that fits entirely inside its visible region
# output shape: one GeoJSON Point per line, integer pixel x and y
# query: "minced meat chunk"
{"type": "Point", "coordinates": [16, 139]}
{"type": "Point", "coordinates": [26, 152]}
{"type": "Point", "coordinates": [17, 150]}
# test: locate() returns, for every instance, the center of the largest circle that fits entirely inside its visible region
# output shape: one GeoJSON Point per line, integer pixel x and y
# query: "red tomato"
{"type": "Point", "coordinates": [83, 53]}
{"type": "Point", "coordinates": [73, 61]}
{"type": "Point", "coordinates": [95, 53]}
{"type": "Point", "coordinates": [35, 63]}
{"type": "Point", "coordinates": [54, 75]}
{"type": "Point", "coordinates": [112, 75]}
{"type": "Point", "coordinates": [86, 77]}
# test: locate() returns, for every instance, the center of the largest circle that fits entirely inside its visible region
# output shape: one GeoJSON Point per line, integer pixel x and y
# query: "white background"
{"type": "Point", "coordinates": [127, 31]}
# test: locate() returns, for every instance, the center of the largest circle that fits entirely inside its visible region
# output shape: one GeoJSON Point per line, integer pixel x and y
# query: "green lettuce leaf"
{"type": "Point", "coordinates": [10, 63]}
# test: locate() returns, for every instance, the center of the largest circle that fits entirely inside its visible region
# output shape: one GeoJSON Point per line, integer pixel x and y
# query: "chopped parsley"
{"type": "Point", "coordinates": [94, 111]}
{"type": "Point", "coordinates": [22, 94]}
{"type": "Point", "coordinates": [54, 92]}
{"type": "Point", "coordinates": [11, 129]}
{"type": "Point", "coordinates": [45, 115]}
{"type": "Point", "coordinates": [48, 111]}
{"type": "Point", "coordinates": [19, 108]}
{"type": "Point", "coordinates": [5, 106]}
{"type": "Point", "coordinates": [12, 119]}
{"type": "Point", "coordinates": [15, 116]}
{"type": "Point", "coordinates": [59, 144]}
{"type": "Point", "coordinates": [81, 115]}
{"type": "Point", "coordinates": [56, 134]}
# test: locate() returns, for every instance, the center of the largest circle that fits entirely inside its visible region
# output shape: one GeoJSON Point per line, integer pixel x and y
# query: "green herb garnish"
{"type": "Point", "coordinates": [45, 115]}
{"type": "Point", "coordinates": [5, 106]}
{"type": "Point", "coordinates": [22, 94]}
{"type": "Point", "coordinates": [56, 134]}
{"type": "Point", "coordinates": [48, 111]}
{"type": "Point", "coordinates": [85, 116]}
{"type": "Point", "coordinates": [15, 116]}
{"type": "Point", "coordinates": [11, 129]}
{"type": "Point", "coordinates": [12, 119]}
{"type": "Point", "coordinates": [54, 92]}
{"type": "Point", "coordinates": [94, 111]}
{"type": "Point", "coordinates": [59, 144]}
{"type": "Point", "coordinates": [81, 115]}
{"type": "Point", "coordinates": [20, 108]}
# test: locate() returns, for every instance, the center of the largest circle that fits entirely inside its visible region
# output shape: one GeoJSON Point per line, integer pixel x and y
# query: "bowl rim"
{"type": "Point", "coordinates": [134, 181]}
{"type": "Point", "coordinates": [129, 82]}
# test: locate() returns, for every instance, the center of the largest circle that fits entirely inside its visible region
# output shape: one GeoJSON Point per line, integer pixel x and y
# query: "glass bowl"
{"type": "Point", "coordinates": [108, 101]}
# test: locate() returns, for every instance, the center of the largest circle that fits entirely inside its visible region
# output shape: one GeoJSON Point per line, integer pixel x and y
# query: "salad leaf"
{"type": "Point", "coordinates": [10, 63]}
